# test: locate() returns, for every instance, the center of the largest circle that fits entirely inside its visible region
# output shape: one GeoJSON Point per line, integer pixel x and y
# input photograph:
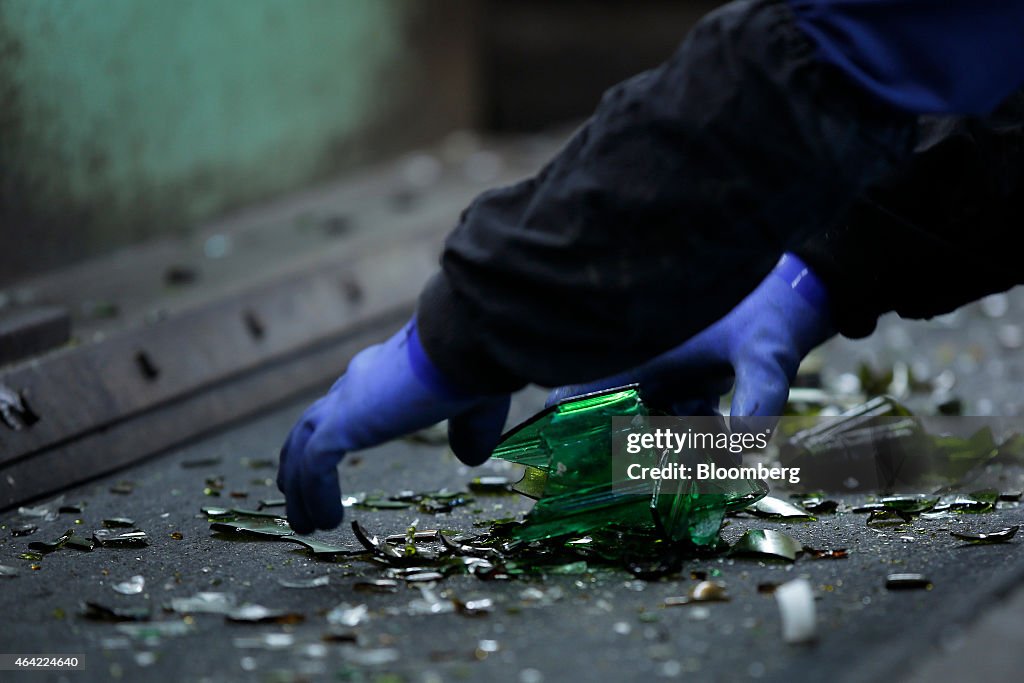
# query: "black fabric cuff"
{"type": "Point", "coordinates": [448, 330]}
{"type": "Point", "coordinates": [942, 232]}
{"type": "Point", "coordinates": [852, 314]}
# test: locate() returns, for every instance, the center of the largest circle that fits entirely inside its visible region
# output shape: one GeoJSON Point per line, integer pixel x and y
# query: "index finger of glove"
{"type": "Point", "coordinates": [292, 449]}
{"type": "Point", "coordinates": [320, 488]}
{"type": "Point", "coordinates": [290, 483]}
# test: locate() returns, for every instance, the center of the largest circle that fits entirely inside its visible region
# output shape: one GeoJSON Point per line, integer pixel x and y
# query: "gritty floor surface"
{"type": "Point", "coordinates": [597, 624]}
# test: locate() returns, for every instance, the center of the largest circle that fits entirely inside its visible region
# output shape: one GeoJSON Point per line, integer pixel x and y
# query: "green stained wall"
{"type": "Point", "coordinates": [124, 119]}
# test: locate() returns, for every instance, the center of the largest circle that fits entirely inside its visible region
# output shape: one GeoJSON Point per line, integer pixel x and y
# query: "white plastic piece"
{"type": "Point", "coordinates": [796, 607]}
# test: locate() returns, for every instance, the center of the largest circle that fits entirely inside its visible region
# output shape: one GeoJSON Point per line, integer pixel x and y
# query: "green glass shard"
{"type": "Point", "coordinates": [258, 514]}
{"type": "Point", "coordinates": [99, 612]}
{"type": "Point", "coordinates": [909, 504]}
{"type": "Point", "coordinates": [490, 484]}
{"type": "Point", "coordinates": [80, 543]}
{"type": "Point", "coordinates": [685, 511]}
{"type": "Point", "coordinates": [532, 484]}
{"type": "Point", "coordinates": [958, 456]}
{"type": "Point", "coordinates": [978, 501]}
{"type": "Point", "coordinates": [579, 567]}
{"type": "Point", "coordinates": [434, 502]}
{"type": "Point", "coordinates": [414, 536]}
{"type": "Point", "coordinates": [878, 443]}
{"type": "Point", "coordinates": [987, 496]}
{"type": "Point", "coordinates": [776, 508]}
{"type": "Point", "coordinates": [1001, 536]}
{"type": "Point", "coordinates": [383, 504]}
{"type": "Point", "coordinates": [262, 528]}
{"type": "Point", "coordinates": [887, 517]}
{"type": "Point", "coordinates": [321, 549]}
{"type": "Point", "coordinates": [882, 446]}
{"type": "Point", "coordinates": [107, 538]}
{"type": "Point", "coordinates": [315, 582]}
{"type": "Point", "coordinates": [153, 631]}
{"type": "Point", "coordinates": [582, 421]}
{"type": "Point", "coordinates": [50, 546]}
{"type": "Point", "coordinates": [820, 506]}
{"type": "Point", "coordinates": [907, 582]}
{"type": "Point", "coordinates": [376, 586]}
{"type": "Point", "coordinates": [202, 603]}
{"type": "Point", "coordinates": [258, 614]}
{"type": "Point", "coordinates": [766, 543]}
{"type": "Point", "coordinates": [567, 452]}
{"type": "Point", "coordinates": [443, 494]}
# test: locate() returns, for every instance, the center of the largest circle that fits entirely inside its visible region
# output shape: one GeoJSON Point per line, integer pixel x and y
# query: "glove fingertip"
{"type": "Point", "coordinates": [323, 499]}
{"type": "Point", "coordinates": [291, 453]}
{"type": "Point", "coordinates": [332, 518]}
{"type": "Point", "coordinates": [474, 434]}
{"type": "Point", "coordinates": [299, 528]}
{"type": "Point", "coordinates": [297, 518]}
{"type": "Point", "coordinates": [468, 450]}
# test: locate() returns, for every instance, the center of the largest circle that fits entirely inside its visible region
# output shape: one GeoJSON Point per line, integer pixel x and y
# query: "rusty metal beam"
{"type": "Point", "coordinates": [104, 405]}
{"type": "Point", "coordinates": [32, 330]}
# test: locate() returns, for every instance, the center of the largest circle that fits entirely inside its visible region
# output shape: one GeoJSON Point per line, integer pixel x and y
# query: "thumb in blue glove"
{"type": "Point", "coordinates": [757, 348]}
{"type": "Point", "coordinates": [388, 390]}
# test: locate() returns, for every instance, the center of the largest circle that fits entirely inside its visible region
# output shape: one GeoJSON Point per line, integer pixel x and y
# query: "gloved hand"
{"type": "Point", "coordinates": [388, 390]}
{"type": "Point", "coordinates": [758, 346]}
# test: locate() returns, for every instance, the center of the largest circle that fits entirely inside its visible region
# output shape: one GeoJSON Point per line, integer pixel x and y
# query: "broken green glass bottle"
{"type": "Point", "coordinates": [567, 452]}
{"type": "Point", "coordinates": [880, 445]}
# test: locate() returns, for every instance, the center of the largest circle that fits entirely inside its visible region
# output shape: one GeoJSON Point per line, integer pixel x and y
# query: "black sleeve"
{"type": "Point", "coordinates": [944, 231]}
{"type": "Point", "coordinates": [672, 202]}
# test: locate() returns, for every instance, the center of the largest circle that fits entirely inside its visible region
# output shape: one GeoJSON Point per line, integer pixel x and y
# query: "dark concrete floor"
{"type": "Point", "coordinates": [596, 625]}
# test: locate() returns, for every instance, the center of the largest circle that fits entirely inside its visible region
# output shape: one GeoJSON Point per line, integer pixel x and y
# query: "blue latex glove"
{"type": "Point", "coordinates": [388, 390]}
{"type": "Point", "coordinates": [757, 346]}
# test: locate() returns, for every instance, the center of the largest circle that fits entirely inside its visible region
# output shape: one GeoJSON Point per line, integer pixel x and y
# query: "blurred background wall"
{"type": "Point", "coordinates": [123, 120]}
